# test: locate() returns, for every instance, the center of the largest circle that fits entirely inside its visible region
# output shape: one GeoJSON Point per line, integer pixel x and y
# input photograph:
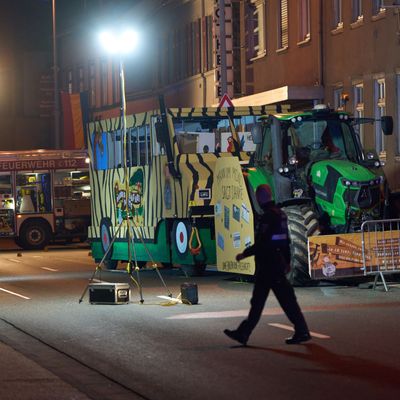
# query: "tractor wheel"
{"type": "Point", "coordinates": [302, 223]}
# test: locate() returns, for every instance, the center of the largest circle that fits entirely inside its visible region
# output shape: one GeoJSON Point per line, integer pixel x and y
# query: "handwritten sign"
{"type": "Point", "coordinates": [234, 228]}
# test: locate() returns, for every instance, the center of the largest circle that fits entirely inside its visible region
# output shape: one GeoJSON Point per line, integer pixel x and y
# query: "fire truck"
{"type": "Point", "coordinates": [44, 196]}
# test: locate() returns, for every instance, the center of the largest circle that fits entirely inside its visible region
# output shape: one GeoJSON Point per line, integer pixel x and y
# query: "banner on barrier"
{"type": "Point", "coordinates": [338, 256]}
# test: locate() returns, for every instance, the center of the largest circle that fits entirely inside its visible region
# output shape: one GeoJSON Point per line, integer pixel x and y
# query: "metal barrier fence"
{"type": "Point", "coordinates": [381, 248]}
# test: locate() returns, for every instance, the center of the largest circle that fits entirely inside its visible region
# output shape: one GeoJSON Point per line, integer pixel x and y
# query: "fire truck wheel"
{"type": "Point", "coordinates": [34, 235]}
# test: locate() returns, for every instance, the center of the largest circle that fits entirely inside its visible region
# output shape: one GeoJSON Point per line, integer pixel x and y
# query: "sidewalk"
{"type": "Point", "coordinates": [22, 379]}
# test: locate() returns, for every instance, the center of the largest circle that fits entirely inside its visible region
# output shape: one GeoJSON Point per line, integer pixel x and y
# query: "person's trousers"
{"type": "Point", "coordinates": [286, 298]}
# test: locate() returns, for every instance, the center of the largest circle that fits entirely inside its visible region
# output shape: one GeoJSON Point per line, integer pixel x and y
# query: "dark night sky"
{"type": "Point", "coordinates": [31, 20]}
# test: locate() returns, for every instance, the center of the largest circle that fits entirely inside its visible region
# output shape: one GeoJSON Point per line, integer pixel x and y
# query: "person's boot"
{"type": "Point", "coordinates": [298, 338]}
{"type": "Point", "coordinates": [236, 335]}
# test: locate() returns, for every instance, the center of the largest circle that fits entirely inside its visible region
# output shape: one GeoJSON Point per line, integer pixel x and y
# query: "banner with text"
{"type": "Point", "coordinates": [338, 256]}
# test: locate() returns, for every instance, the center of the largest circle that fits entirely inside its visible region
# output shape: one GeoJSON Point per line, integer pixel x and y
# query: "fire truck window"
{"type": "Point", "coordinates": [6, 206]}
{"type": "Point", "coordinates": [6, 195]}
{"type": "Point", "coordinates": [33, 192]}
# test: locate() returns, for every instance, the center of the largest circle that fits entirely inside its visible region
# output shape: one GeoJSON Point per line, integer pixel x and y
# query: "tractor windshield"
{"type": "Point", "coordinates": [313, 140]}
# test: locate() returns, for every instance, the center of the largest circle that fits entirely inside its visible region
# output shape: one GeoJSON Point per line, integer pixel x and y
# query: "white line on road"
{"type": "Point", "coordinates": [15, 294]}
{"type": "Point", "coordinates": [49, 269]}
{"type": "Point", "coordinates": [290, 328]}
{"type": "Point", "coordinates": [14, 260]}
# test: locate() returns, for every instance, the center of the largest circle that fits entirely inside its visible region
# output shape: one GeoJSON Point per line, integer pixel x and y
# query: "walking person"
{"type": "Point", "coordinates": [272, 255]}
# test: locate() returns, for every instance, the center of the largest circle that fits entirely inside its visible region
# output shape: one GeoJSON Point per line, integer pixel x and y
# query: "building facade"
{"type": "Point", "coordinates": [344, 53]}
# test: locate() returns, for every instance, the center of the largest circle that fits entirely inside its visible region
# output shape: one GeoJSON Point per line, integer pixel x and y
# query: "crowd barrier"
{"type": "Point", "coordinates": [381, 248]}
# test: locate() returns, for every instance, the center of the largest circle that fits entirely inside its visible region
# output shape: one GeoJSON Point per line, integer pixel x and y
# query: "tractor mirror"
{"type": "Point", "coordinates": [387, 125]}
{"type": "Point", "coordinates": [256, 133]}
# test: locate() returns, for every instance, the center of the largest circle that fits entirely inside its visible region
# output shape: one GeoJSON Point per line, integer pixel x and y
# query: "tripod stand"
{"type": "Point", "coordinates": [129, 268]}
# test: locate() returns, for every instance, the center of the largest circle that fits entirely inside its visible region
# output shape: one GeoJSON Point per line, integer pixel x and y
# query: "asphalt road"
{"type": "Point", "coordinates": [168, 351]}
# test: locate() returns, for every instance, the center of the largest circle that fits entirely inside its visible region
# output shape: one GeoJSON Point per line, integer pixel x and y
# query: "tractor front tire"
{"type": "Point", "coordinates": [302, 223]}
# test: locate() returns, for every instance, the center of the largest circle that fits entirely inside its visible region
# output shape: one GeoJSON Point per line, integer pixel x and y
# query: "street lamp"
{"type": "Point", "coordinates": [122, 43]}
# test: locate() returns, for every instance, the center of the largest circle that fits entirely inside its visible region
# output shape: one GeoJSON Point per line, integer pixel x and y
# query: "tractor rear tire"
{"type": "Point", "coordinates": [302, 223]}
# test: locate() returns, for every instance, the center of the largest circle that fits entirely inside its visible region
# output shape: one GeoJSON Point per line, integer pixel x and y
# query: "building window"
{"type": "Point", "coordinates": [171, 56]}
{"type": "Point", "coordinates": [81, 80]}
{"type": "Point", "coordinates": [208, 43]}
{"type": "Point", "coordinates": [358, 96]}
{"type": "Point", "coordinates": [337, 14]}
{"type": "Point", "coordinates": [398, 112]}
{"type": "Point", "coordinates": [304, 20]}
{"type": "Point", "coordinates": [92, 84]}
{"type": "Point", "coordinates": [104, 82]}
{"type": "Point", "coordinates": [116, 94]}
{"type": "Point", "coordinates": [236, 49]}
{"type": "Point", "coordinates": [357, 10]}
{"type": "Point", "coordinates": [283, 25]}
{"type": "Point", "coordinates": [256, 28]}
{"type": "Point", "coordinates": [380, 106]}
{"type": "Point", "coordinates": [69, 81]}
{"type": "Point", "coordinates": [377, 7]}
{"type": "Point", "coordinates": [338, 103]}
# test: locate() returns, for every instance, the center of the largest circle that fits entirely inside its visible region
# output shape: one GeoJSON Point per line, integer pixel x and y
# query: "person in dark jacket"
{"type": "Point", "coordinates": [272, 256]}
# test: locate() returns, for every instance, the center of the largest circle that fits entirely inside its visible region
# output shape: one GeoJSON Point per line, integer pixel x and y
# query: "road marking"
{"type": "Point", "coordinates": [14, 260]}
{"type": "Point", "coordinates": [49, 269]}
{"type": "Point", "coordinates": [15, 294]}
{"type": "Point", "coordinates": [224, 314]}
{"type": "Point", "coordinates": [290, 328]}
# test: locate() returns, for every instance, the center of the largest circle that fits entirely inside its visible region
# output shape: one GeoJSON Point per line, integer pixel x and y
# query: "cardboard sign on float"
{"type": "Point", "coordinates": [234, 226]}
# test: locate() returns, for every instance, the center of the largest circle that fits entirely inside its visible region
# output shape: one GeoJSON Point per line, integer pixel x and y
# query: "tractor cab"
{"type": "Point", "coordinates": [316, 157]}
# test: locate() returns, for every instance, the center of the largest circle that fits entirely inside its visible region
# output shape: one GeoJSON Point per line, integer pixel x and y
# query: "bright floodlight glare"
{"type": "Point", "coordinates": [119, 43]}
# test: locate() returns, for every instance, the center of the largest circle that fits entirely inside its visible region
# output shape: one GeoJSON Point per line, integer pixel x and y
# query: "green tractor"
{"type": "Point", "coordinates": [319, 174]}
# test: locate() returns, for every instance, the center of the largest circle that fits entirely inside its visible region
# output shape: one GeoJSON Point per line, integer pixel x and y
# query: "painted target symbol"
{"type": "Point", "coordinates": [181, 238]}
{"type": "Point", "coordinates": [105, 235]}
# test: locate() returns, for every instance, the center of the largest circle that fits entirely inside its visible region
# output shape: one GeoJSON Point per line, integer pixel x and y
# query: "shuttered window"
{"type": "Point", "coordinates": [357, 10]}
{"type": "Point", "coordinates": [337, 14]}
{"type": "Point", "coordinates": [283, 28]}
{"type": "Point", "coordinates": [304, 20]}
{"type": "Point", "coordinates": [377, 7]}
{"type": "Point", "coordinates": [255, 29]}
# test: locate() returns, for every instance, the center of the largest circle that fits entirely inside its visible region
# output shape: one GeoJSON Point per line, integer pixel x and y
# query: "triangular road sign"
{"type": "Point", "coordinates": [225, 102]}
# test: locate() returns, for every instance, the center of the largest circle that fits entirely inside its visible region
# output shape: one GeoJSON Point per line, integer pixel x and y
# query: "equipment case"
{"type": "Point", "coordinates": [109, 293]}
